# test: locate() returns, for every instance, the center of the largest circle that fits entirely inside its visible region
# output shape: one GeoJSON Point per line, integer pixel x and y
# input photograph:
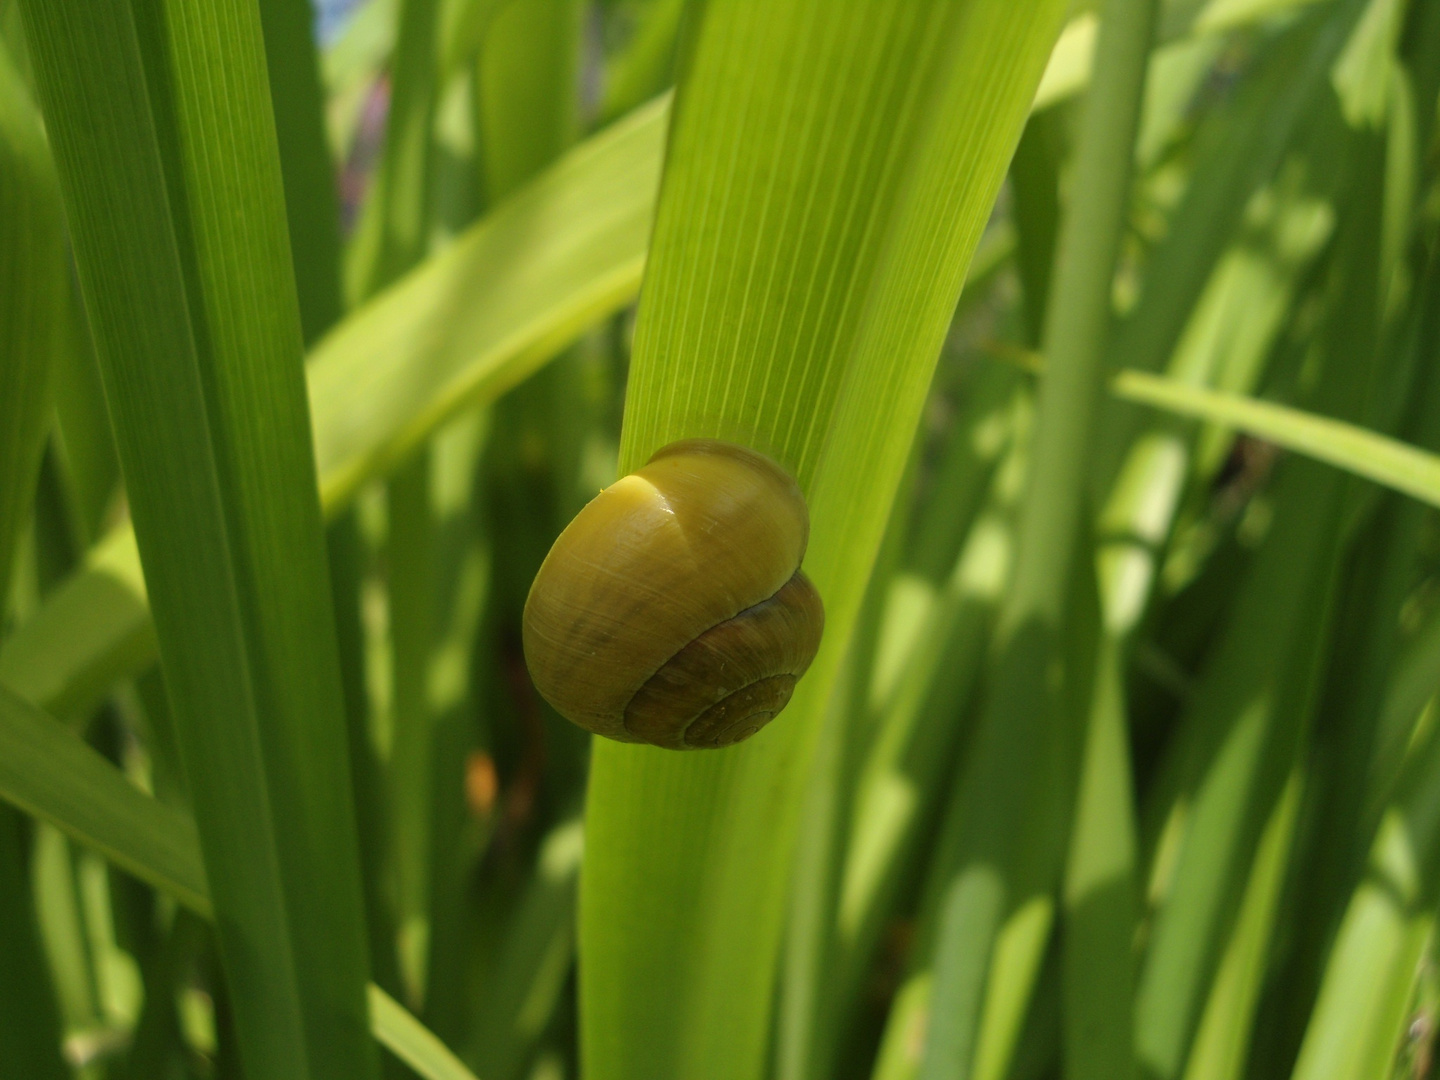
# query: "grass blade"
{"type": "Point", "coordinates": [533, 959]}
{"type": "Point", "coordinates": [972, 916]}
{"type": "Point", "coordinates": [1222, 1040]}
{"type": "Point", "coordinates": [647, 65]}
{"type": "Point", "coordinates": [311, 208]}
{"type": "Point", "coordinates": [1078, 316]}
{"type": "Point", "coordinates": [1100, 890]}
{"type": "Point", "coordinates": [29, 1017]}
{"type": "Point", "coordinates": [83, 443]}
{"type": "Point", "coordinates": [394, 228]}
{"type": "Point", "coordinates": [1346, 446]}
{"type": "Point", "coordinates": [93, 72]}
{"type": "Point", "coordinates": [528, 73]}
{"type": "Point", "coordinates": [411, 1041]}
{"type": "Point", "coordinates": [1361, 1011]}
{"type": "Point", "coordinates": [33, 299]}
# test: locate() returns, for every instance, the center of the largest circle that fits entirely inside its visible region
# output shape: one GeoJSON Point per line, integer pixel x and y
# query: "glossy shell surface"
{"type": "Point", "coordinates": [672, 610]}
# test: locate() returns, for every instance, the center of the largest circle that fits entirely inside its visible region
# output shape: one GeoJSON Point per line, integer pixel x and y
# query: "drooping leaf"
{"type": "Point", "coordinates": [1368, 454]}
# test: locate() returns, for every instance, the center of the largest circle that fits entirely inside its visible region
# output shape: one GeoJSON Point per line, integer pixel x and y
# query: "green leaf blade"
{"type": "Point", "coordinates": [807, 257]}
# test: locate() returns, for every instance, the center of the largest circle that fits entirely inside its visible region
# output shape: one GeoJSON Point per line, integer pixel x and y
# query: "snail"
{"type": "Point", "coordinates": [672, 610]}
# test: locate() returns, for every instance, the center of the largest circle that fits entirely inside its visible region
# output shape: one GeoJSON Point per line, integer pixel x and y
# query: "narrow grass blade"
{"type": "Point", "coordinates": [1078, 317]}
{"type": "Point", "coordinates": [312, 210]}
{"type": "Point", "coordinates": [456, 837]}
{"type": "Point", "coordinates": [647, 65]}
{"type": "Point", "coordinates": [459, 330]}
{"type": "Point", "coordinates": [412, 575]}
{"type": "Point", "coordinates": [462, 32]}
{"type": "Point", "coordinates": [528, 75]}
{"type": "Point", "coordinates": [904, 1041]}
{"type": "Point", "coordinates": [411, 1041]}
{"type": "Point", "coordinates": [158, 1044]}
{"type": "Point", "coordinates": [534, 959]}
{"type": "Point", "coordinates": [1100, 888]}
{"type": "Point", "coordinates": [29, 1018]}
{"type": "Point", "coordinates": [59, 908]}
{"type": "Point", "coordinates": [1222, 1040]}
{"type": "Point", "coordinates": [83, 441]}
{"type": "Point", "coordinates": [971, 918]}
{"type": "Point", "coordinates": [1360, 1015]}
{"type": "Point", "coordinates": [392, 236]}
{"type": "Point", "coordinates": [348, 559]}
{"type": "Point", "coordinates": [1413, 678]}
{"type": "Point", "coordinates": [436, 591]}
{"type": "Point", "coordinates": [805, 1032]}
{"type": "Point", "coordinates": [394, 228]}
{"type": "Point", "coordinates": [524, 116]}
{"type": "Point", "coordinates": [1356, 450]}
{"type": "Point", "coordinates": [808, 255]}
{"type": "Point", "coordinates": [1035, 181]}
{"type": "Point", "coordinates": [33, 305]}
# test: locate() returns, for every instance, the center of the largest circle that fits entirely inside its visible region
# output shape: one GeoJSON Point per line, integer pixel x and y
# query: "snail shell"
{"type": "Point", "coordinates": [672, 610]}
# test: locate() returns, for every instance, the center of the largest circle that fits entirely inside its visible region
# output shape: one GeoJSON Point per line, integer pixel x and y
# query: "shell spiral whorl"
{"type": "Point", "coordinates": [672, 610]}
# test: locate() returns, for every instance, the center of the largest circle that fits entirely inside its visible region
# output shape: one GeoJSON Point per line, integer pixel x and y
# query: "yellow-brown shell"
{"type": "Point", "coordinates": [672, 610]}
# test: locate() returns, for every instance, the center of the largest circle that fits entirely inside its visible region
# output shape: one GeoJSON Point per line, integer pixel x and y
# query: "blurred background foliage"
{"type": "Point", "coordinates": [1229, 805]}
